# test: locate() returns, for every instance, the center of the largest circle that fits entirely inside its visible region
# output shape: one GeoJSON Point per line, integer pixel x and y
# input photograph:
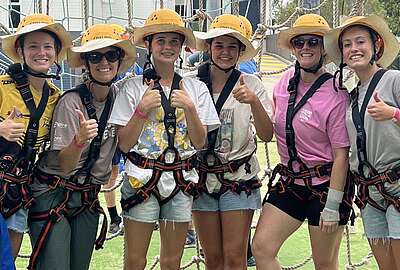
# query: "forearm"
{"type": "Point", "coordinates": [197, 132]}
{"type": "Point", "coordinates": [262, 121]}
{"type": "Point", "coordinates": [339, 169]}
{"type": "Point", "coordinates": [69, 157]}
{"type": "Point", "coordinates": [128, 135]}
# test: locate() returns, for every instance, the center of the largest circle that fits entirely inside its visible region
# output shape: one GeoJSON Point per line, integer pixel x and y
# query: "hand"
{"type": "Point", "coordinates": [243, 94]}
{"type": "Point", "coordinates": [151, 99]}
{"type": "Point", "coordinates": [180, 98]}
{"type": "Point", "coordinates": [379, 110]}
{"type": "Point", "coordinates": [88, 129]}
{"type": "Point", "coordinates": [329, 220]}
{"type": "Point", "coordinates": [11, 130]}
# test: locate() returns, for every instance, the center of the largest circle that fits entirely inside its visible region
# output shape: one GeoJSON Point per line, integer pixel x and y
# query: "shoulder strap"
{"type": "Point", "coordinates": [358, 120]}
{"type": "Point", "coordinates": [203, 73]}
{"type": "Point", "coordinates": [169, 111]}
{"type": "Point", "coordinates": [292, 110]}
{"type": "Point", "coordinates": [21, 80]}
{"type": "Point", "coordinates": [228, 87]}
{"type": "Point", "coordinates": [95, 145]}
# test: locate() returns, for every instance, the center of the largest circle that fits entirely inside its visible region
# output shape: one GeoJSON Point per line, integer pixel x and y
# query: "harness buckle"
{"type": "Point", "coordinates": [390, 176]}
{"type": "Point", "coordinates": [281, 188]}
{"type": "Point", "coordinates": [55, 216]}
{"type": "Point", "coordinates": [169, 157]}
{"type": "Point", "coordinates": [143, 194]}
{"type": "Point", "coordinates": [210, 159]}
{"type": "Point", "coordinates": [55, 183]}
{"type": "Point", "coordinates": [359, 202]}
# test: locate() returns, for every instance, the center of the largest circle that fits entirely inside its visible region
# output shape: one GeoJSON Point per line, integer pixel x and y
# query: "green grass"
{"type": "Point", "coordinates": [294, 251]}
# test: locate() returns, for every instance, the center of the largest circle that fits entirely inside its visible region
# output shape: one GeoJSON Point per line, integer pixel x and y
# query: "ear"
{"type": "Point", "coordinates": [20, 53]}
{"type": "Point", "coordinates": [147, 44]}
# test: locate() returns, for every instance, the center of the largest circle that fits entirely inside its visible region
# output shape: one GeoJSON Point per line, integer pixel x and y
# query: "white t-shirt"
{"type": "Point", "coordinates": [236, 136]}
{"type": "Point", "coordinates": [153, 138]}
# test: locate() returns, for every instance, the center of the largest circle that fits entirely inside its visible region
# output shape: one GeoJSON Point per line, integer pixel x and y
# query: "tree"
{"type": "Point", "coordinates": [392, 12]}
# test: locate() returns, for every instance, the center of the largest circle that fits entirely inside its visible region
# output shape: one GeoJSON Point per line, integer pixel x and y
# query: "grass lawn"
{"type": "Point", "coordinates": [294, 251]}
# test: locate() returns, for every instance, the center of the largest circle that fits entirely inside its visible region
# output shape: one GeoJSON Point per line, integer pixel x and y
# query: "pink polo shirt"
{"type": "Point", "coordinates": [319, 125]}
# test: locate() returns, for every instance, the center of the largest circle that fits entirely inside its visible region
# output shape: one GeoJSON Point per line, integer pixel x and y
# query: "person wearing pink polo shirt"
{"type": "Point", "coordinates": [313, 145]}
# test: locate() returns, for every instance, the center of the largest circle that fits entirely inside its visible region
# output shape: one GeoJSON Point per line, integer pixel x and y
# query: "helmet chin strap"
{"type": "Point", "coordinates": [42, 75]}
{"type": "Point", "coordinates": [314, 69]}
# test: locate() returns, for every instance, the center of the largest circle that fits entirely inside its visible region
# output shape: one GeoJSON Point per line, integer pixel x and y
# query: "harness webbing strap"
{"type": "Point", "coordinates": [374, 177]}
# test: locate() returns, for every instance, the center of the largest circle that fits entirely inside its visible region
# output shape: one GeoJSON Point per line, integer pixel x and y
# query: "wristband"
{"type": "Point", "coordinates": [140, 114]}
{"type": "Point", "coordinates": [77, 144]}
{"type": "Point", "coordinates": [396, 115]}
{"type": "Point", "coordinates": [334, 199]}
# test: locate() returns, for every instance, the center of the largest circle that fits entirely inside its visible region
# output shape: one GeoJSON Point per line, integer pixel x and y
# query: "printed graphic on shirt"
{"type": "Point", "coordinates": [305, 115]}
{"type": "Point", "coordinates": [225, 137]}
{"type": "Point", "coordinates": [154, 138]}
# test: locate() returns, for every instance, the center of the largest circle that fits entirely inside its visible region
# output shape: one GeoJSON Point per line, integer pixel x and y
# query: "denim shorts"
{"type": "Point", "coordinates": [229, 201]}
{"type": "Point", "coordinates": [177, 209]}
{"type": "Point", "coordinates": [379, 224]}
{"type": "Point", "coordinates": [19, 221]}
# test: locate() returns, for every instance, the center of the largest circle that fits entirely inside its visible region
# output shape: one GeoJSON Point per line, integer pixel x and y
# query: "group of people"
{"type": "Point", "coordinates": [190, 142]}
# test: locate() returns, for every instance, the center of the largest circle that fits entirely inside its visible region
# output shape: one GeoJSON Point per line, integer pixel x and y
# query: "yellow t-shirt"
{"type": "Point", "coordinates": [10, 96]}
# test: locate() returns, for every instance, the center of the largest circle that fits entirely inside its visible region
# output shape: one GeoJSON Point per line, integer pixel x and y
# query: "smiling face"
{"type": "Point", "coordinates": [225, 51]}
{"type": "Point", "coordinates": [105, 70]}
{"type": "Point", "coordinates": [39, 51]}
{"type": "Point", "coordinates": [307, 49]}
{"type": "Point", "coordinates": [357, 47]}
{"type": "Point", "coordinates": [165, 47]}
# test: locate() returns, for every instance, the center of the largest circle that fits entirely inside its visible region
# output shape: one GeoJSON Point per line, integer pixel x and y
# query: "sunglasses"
{"type": "Point", "coordinates": [312, 42]}
{"type": "Point", "coordinates": [96, 57]}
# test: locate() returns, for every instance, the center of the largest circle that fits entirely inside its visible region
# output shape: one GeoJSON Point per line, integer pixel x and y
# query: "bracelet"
{"type": "Point", "coordinates": [396, 114]}
{"type": "Point", "coordinates": [140, 114]}
{"type": "Point", "coordinates": [77, 144]}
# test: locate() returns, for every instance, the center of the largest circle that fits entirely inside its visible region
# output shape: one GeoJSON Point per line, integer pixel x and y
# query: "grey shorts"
{"type": "Point", "coordinates": [228, 201]}
{"type": "Point", "coordinates": [379, 224]}
{"type": "Point", "coordinates": [19, 221]}
{"type": "Point", "coordinates": [177, 209]}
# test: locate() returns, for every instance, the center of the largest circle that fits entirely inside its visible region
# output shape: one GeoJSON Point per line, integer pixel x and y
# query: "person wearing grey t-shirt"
{"type": "Point", "coordinates": [65, 217]}
{"type": "Point", "coordinates": [367, 46]}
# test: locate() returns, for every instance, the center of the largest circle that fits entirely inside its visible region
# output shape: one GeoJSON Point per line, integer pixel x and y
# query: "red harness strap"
{"type": "Point", "coordinates": [89, 193]}
{"type": "Point", "coordinates": [24, 199]}
{"type": "Point", "coordinates": [378, 180]}
{"type": "Point", "coordinates": [306, 175]}
{"type": "Point", "coordinates": [212, 164]}
{"type": "Point", "coordinates": [159, 166]}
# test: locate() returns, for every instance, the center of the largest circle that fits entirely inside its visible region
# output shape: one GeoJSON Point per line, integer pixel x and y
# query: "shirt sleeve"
{"type": "Point", "coordinates": [262, 95]}
{"type": "Point", "coordinates": [205, 107]}
{"type": "Point", "coordinates": [336, 123]}
{"type": "Point", "coordinates": [125, 104]}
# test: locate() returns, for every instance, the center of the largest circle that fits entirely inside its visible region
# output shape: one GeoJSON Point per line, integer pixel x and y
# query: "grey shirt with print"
{"type": "Point", "coordinates": [383, 147]}
{"type": "Point", "coordinates": [65, 125]}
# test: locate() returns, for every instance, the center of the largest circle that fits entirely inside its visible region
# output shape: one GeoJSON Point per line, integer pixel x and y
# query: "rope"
{"type": "Point", "coordinates": [130, 12]}
{"type": "Point", "coordinates": [86, 13]}
{"type": "Point", "coordinates": [235, 7]}
{"type": "Point", "coordinates": [299, 265]}
{"type": "Point", "coordinates": [161, 3]}
{"type": "Point", "coordinates": [335, 18]}
{"type": "Point", "coordinates": [357, 8]}
{"type": "Point", "coordinates": [39, 6]}
{"type": "Point", "coordinates": [47, 7]}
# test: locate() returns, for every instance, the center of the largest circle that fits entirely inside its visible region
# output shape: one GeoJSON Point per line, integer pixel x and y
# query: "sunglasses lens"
{"type": "Point", "coordinates": [314, 42]}
{"type": "Point", "coordinates": [94, 58]}
{"type": "Point", "coordinates": [112, 56]}
{"type": "Point", "coordinates": [298, 43]}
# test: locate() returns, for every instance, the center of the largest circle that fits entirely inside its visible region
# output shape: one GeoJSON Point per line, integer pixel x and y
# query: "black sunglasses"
{"type": "Point", "coordinates": [312, 42]}
{"type": "Point", "coordinates": [96, 57]}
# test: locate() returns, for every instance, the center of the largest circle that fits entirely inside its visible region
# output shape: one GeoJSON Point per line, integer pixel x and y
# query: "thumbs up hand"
{"type": "Point", "coordinates": [88, 128]}
{"type": "Point", "coordinates": [151, 99]}
{"type": "Point", "coordinates": [243, 94]}
{"type": "Point", "coordinates": [11, 130]}
{"type": "Point", "coordinates": [180, 98]}
{"type": "Point", "coordinates": [379, 110]}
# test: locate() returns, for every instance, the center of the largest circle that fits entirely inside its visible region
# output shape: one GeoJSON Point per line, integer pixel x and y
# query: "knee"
{"type": "Point", "coordinates": [261, 249]}
{"type": "Point", "coordinates": [134, 263]}
{"type": "Point", "coordinates": [234, 259]}
{"type": "Point", "coordinates": [326, 264]}
{"type": "Point", "coordinates": [214, 261]}
{"type": "Point", "coordinates": [169, 262]}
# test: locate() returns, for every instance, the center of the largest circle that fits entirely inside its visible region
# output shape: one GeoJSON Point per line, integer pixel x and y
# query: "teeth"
{"type": "Point", "coordinates": [104, 69]}
{"type": "Point", "coordinates": [355, 57]}
{"type": "Point", "coordinates": [306, 54]}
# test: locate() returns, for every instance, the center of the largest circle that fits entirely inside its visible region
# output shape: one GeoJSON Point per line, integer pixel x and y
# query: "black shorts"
{"type": "Point", "coordinates": [309, 207]}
